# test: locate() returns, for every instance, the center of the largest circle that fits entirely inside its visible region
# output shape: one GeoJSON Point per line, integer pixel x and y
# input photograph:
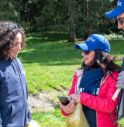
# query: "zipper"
{"type": "Point", "coordinates": [101, 84]}
{"type": "Point", "coordinates": [104, 79]}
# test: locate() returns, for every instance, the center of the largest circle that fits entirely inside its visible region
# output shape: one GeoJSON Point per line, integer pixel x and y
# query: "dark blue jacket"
{"type": "Point", "coordinates": [13, 94]}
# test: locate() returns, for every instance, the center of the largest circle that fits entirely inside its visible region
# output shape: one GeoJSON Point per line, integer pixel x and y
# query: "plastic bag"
{"type": "Point", "coordinates": [77, 118]}
{"type": "Point", "coordinates": [33, 123]}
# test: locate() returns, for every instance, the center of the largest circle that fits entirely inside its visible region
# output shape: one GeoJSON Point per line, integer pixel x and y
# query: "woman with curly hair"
{"type": "Point", "coordinates": [13, 87]}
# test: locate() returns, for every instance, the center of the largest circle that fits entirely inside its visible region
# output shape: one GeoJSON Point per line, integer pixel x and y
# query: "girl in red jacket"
{"type": "Point", "coordinates": [95, 83]}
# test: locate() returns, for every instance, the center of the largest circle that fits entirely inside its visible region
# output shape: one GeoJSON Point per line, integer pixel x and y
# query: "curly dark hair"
{"type": "Point", "coordinates": [8, 32]}
{"type": "Point", "coordinates": [104, 61]}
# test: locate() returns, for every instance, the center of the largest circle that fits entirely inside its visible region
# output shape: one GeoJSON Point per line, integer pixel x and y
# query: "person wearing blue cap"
{"type": "Point", "coordinates": [94, 83]}
{"type": "Point", "coordinates": [118, 14]}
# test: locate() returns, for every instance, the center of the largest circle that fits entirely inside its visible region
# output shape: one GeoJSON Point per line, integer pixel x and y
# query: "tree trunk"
{"type": "Point", "coordinates": [71, 37]}
{"type": "Point", "coordinates": [71, 21]}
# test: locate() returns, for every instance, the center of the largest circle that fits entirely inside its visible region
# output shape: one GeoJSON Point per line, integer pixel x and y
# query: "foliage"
{"type": "Point", "coordinates": [78, 18]}
{"type": "Point", "coordinates": [27, 11]}
{"type": "Point", "coordinates": [91, 16]}
{"type": "Point", "coordinates": [7, 11]}
{"type": "Point", "coordinates": [46, 19]}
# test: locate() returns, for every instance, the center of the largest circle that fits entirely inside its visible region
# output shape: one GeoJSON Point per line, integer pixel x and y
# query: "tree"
{"type": "Point", "coordinates": [71, 12]}
{"type": "Point", "coordinates": [7, 11]}
{"type": "Point", "coordinates": [47, 15]}
{"type": "Point", "coordinates": [76, 17]}
{"type": "Point", "coordinates": [91, 16]}
{"type": "Point", "coordinates": [28, 10]}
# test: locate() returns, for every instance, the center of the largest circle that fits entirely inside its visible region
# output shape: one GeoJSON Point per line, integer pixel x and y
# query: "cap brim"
{"type": "Point", "coordinates": [83, 47]}
{"type": "Point", "coordinates": [114, 13]}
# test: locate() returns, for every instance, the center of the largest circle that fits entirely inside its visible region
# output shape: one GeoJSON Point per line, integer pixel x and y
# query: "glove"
{"type": "Point", "coordinates": [120, 82]}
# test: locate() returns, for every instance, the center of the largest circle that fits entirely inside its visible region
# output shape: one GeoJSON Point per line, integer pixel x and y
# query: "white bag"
{"type": "Point", "coordinates": [77, 118]}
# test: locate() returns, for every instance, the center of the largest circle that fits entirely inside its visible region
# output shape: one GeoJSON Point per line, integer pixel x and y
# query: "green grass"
{"type": "Point", "coordinates": [49, 63]}
{"type": "Point", "coordinates": [42, 77]}
{"type": "Point", "coordinates": [49, 119]}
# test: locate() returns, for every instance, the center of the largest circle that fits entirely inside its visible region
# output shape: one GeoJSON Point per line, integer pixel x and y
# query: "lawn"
{"type": "Point", "coordinates": [49, 62]}
{"type": "Point", "coordinates": [49, 119]}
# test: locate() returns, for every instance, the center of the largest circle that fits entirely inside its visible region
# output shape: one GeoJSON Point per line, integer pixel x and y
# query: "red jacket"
{"type": "Point", "coordinates": [105, 107]}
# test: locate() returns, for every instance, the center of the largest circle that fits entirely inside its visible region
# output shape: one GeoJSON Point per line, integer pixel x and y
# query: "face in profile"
{"type": "Point", "coordinates": [17, 46]}
{"type": "Point", "coordinates": [88, 57]}
{"type": "Point", "coordinates": [120, 21]}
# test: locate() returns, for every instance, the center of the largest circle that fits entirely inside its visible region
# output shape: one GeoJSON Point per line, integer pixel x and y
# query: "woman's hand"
{"type": "Point", "coordinates": [75, 98]}
{"type": "Point", "coordinates": [68, 109]}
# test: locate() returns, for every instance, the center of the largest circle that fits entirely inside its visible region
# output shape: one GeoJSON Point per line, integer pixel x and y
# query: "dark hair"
{"type": "Point", "coordinates": [8, 32]}
{"type": "Point", "coordinates": [104, 61]}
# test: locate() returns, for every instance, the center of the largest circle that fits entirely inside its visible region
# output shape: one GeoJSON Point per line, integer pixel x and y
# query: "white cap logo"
{"type": "Point", "coordinates": [119, 3]}
{"type": "Point", "coordinates": [91, 39]}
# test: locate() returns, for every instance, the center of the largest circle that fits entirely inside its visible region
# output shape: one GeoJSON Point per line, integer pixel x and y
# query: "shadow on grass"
{"type": "Point", "coordinates": [55, 88]}
{"type": "Point", "coordinates": [49, 36]}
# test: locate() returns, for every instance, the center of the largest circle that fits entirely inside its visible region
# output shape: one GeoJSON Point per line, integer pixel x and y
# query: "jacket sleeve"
{"type": "Point", "coordinates": [71, 91]}
{"type": "Point", "coordinates": [102, 103]}
{"type": "Point", "coordinates": [0, 101]}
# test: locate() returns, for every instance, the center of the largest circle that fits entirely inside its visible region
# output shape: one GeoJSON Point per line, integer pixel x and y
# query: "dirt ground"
{"type": "Point", "coordinates": [44, 102]}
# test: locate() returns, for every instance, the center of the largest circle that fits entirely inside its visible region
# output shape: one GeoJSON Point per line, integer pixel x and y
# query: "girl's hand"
{"type": "Point", "coordinates": [75, 98]}
{"type": "Point", "coordinates": [68, 109]}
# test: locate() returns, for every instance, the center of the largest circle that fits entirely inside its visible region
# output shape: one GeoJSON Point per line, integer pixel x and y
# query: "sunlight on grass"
{"type": "Point", "coordinates": [49, 119]}
{"type": "Point", "coordinates": [48, 77]}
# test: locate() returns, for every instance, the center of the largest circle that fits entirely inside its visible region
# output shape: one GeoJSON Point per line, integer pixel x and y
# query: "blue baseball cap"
{"type": "Point", "coordinates": [95, 42]}
{"type": "Point", "coordinates": [116, 11]}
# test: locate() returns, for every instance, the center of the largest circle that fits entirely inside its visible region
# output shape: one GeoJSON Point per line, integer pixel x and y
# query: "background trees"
{"type": "Point", "coordinates": [7, 11]}
{"type": "Point", "coordinates": [78, 18]}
